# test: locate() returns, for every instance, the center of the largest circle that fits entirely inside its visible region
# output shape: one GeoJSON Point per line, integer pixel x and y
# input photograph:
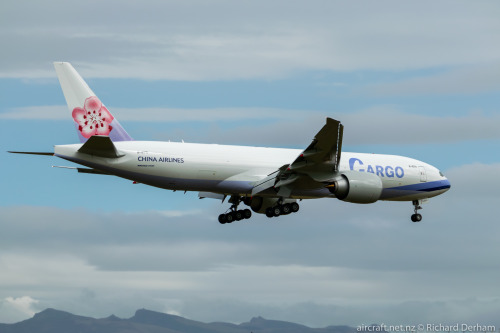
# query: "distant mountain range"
{"type": "Point", "coordinates": [145, 321]}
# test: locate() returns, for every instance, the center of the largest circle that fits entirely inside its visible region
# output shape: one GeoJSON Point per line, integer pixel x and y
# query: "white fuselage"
{"type": "Point", "coordinates": [235, 169]}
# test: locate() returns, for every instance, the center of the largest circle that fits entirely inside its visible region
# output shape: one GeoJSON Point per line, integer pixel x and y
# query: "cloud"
{"type": "Point", "coordinates": [334, 262]}
{"type": "Point", "coordinates": [14, 309]}
{"type": "Point", "coordinates": [42, 112]}
{"type": "Point", "coordinates": [313, 314]}
{"type": "Point", "coordinates": [282, 127]}
{"type": "Point", "coordinates": [375, 125]}
{"type": "Point", "coordinates": [464, 80]}
{"type": "Point", "coordinates": [331, 256]}
{"type": "Point", "coordinates": [388, 125]}
{"type": "Point", "coordinates": [167, 115]}
{"type": "Point", "coordinates": [225, 40]}
{"type": "Point", "coordinates": [483, 176]}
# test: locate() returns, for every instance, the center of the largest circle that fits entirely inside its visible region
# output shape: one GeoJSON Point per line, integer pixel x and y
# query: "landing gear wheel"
{"type": "Point", "coordinates": [269, 212]}
{"type": "Point", "coordinates": [229, 217]}
{"type": "Point", "coordinates": [238, 215]}
{"type": "Point", "coordinates": [295, 207]}
{"type": "Point", "coordinates": [276, 211]}
{"type": "Point", "coordinates": [222, 218]}
{"type": "Point", "coordinates": [416, 218]}
{"type": "Point", "coordinates": [286, 209]}
{"type": "Point", "coordinates": [247, 213]}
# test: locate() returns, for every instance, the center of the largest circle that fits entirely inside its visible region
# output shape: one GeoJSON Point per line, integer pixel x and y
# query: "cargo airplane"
{"type": "Point", "coordinates": [268, 180]}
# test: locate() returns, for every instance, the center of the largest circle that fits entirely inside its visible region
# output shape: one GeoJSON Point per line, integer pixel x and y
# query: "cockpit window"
{"type": "Point", "coordinates": [441, 174]}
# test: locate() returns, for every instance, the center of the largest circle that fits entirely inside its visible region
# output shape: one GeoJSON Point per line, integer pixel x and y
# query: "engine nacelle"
{"type": "Point", "coordinates": [357, 187]}
{"type": "Point", "coordinates": [260, 204]}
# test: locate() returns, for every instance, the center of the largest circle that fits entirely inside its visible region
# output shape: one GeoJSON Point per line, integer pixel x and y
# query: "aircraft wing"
{"type": "Point", "coordinates": [317, 163]}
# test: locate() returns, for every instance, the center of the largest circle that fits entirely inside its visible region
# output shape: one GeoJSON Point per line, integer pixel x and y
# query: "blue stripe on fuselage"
{"type": "Point", "coordinates": [424, 187]}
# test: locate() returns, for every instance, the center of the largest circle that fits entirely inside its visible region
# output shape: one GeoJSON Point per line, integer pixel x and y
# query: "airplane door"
{"type": "Point", "coordinates": [423, 175]}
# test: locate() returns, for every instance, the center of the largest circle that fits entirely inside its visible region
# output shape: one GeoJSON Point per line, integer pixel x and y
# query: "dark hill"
{"type": "Point", "coordinates": [145, 321]}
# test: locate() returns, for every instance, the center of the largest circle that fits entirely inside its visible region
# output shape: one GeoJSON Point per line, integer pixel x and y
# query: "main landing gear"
{"type": "Point", "coordinates": [279, 207]}
{"type": "Point", "coordinates": [282, 209]}
{"type": "Point", "coordinates": [234, 214]}
{"type": "Point", "coordinates": [416, 217]}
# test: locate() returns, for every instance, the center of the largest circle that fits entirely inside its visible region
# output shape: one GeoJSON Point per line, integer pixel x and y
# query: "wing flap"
{"type": "Point", "coordinates": [267, 182]}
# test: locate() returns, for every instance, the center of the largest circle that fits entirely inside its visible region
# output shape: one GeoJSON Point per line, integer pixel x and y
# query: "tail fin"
{"type": "Point", "coordinates": [90, 115]}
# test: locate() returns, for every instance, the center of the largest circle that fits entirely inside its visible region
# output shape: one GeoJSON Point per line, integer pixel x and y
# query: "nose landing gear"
{"type": "Point", "coordinates": [416, 217]}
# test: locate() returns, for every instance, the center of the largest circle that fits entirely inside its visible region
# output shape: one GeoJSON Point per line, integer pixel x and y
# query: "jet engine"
{"type": "Point", "coordinates": [357, 187]}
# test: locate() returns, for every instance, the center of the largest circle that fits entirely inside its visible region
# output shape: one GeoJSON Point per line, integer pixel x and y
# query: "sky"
{"type": "Point", "coordinates": [419, 79]}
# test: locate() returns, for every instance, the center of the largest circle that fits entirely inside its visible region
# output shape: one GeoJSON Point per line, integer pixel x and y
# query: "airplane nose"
{"type": "Point", "coordinates": [446, 184]}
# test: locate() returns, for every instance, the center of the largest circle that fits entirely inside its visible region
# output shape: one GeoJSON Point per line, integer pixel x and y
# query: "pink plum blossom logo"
{"type": "Point", "coordinates": [93, 119]}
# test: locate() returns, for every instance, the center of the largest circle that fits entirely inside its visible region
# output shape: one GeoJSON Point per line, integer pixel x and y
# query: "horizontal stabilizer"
{"type": "Point", "coordinates": [84, 170]}
{"type": "Point", "coordinates": [31, 153]}
{"type": "Point", "coordinates": [100, 145]}
{"type": "Point", "coordinates": [92, 171]}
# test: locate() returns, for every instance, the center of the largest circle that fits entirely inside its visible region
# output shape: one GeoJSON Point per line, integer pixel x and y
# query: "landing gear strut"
{"type": "Point", "coordinates": [416, 217]}
{"type": "Point", "coordinates": [234, 214]}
